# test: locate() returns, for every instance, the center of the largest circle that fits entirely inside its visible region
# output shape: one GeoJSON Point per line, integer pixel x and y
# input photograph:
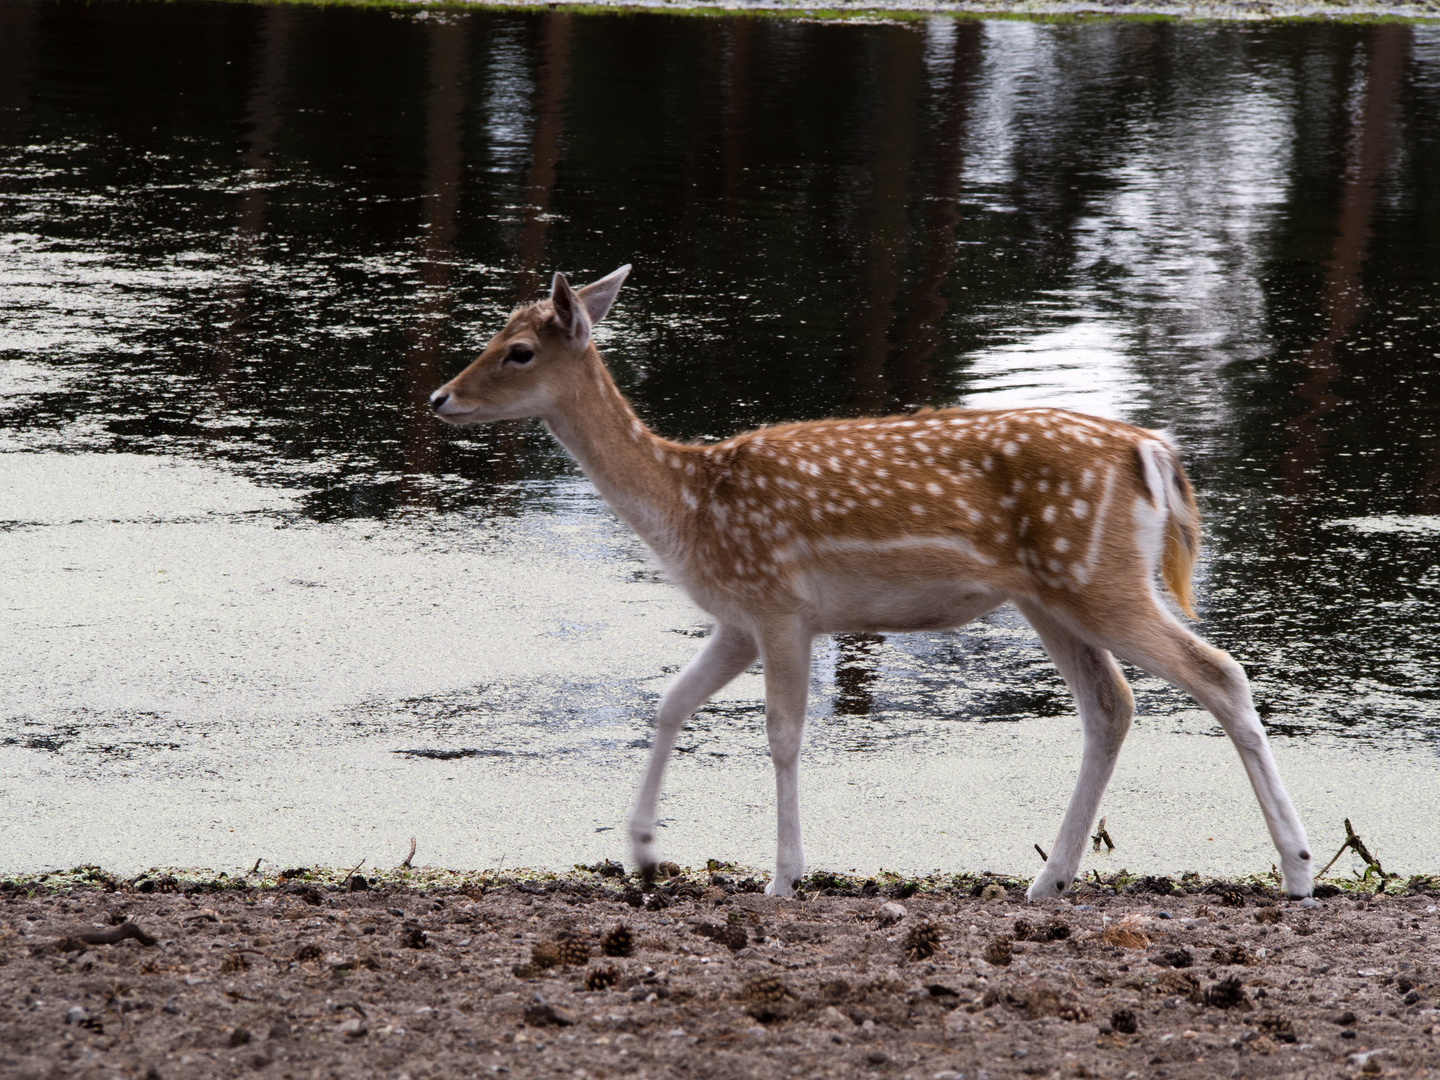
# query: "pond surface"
{"type": "Point", "coordinates": [239, 246]}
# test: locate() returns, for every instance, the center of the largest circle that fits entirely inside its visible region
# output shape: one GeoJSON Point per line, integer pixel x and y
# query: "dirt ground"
{"type": "Point", "coordinates": [439, 976]}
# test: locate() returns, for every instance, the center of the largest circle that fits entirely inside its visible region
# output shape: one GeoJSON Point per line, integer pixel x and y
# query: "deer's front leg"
{"type": "Point", "coordinates": [726, 654]}
{"type": "Point", "coordinates": [786, 655]}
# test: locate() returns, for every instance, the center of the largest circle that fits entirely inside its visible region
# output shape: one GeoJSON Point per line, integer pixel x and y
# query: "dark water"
{"type": "Point", "coordinates": [258, 236]}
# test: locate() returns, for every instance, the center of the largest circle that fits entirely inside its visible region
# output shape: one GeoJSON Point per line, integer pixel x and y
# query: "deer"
{"type": "Point", "coordinates": [890, 524]}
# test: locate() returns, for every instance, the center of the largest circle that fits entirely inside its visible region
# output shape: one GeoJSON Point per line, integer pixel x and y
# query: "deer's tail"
{"type": "Point", "coordinates": [1170, 488]}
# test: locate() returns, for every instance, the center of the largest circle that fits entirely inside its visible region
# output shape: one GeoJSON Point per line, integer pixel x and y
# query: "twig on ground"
{"type": "Point", "coordinates": [1353, 841]}
{"type": "Point", "coordinates": [361, 863]}
{"type": "Point", "coordinates": [1101, 834]}
{"type": "Point", "coordinates": [256, 868]}
{"type": "Point", "coordinates": [406, 864]}
{"type": "Point", "coordinates": [77, 942]}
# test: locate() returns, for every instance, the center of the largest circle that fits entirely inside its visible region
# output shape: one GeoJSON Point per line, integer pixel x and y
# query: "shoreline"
{"type": "Point", "coordinates": [611, 880]}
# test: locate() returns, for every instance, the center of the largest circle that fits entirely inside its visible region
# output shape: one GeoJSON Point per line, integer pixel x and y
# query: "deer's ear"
{"type": "Point", "coordinates": [599, 295]}
{"type": "Point", "coordinates": [571, 317]}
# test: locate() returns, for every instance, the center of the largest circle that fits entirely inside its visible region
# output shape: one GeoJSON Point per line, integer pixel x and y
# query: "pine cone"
{"type": "Point", "coordinates": [1058, 930]}
{"type": "Point", "coordinates": [922, 941]}
{"type": "Point", "coordinates": [602, 978]}
{"type": "Point", "coordinates": [732, 936]}
{"type": "Point", "coordinates": [999, 952]}
{"type": "Point", "coordinates": [573, 951]}
{"type": "Point", "coordinates": [545, 955]}
{"type": "Point", "coordinates": [1023, 929]}
{"type": "Point", "coordinates": [618, 941]}
{"type": "Point", "coordinates": [765, 990]}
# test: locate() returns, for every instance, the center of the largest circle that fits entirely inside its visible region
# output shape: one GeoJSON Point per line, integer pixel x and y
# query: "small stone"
{"type": "Point", "coordinates": [1411, 998]}
{"type": "Point", "coordinates": [539, 1013]}
{"type": "Point", "coordinates": [755, 1032]}
{"type": "Point", "coordinates": [834, 1018]}
{"type": "Point", "coordinates": [240, 1036]}
{"type": "Point", "coordinates": [889, 914]}
{"type": "Point", "coordinates": [877, 1057]}
{"type": "Point", "coordinates": [353, 1028]}
{"type": "Point", "coordinates": [75, 1015]}
{"type": "Point", "coordinates": [1309, 902]}
{"type": "Point", "coordinates": [1123, 1021]}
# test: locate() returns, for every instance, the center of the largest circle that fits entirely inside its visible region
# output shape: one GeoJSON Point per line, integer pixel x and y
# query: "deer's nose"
{"type": "Point", "coordinates": [437, 399]}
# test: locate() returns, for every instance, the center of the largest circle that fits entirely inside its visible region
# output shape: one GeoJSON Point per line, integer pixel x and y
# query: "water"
{"type": "Point", "coordinates": [243, 567]}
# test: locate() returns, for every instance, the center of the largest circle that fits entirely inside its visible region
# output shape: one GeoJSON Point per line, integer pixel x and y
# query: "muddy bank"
{"type": "Point", "coordinates": [596, 975]}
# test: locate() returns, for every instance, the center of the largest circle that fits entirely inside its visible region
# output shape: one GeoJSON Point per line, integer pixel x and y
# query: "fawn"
{"type": "Point", "coordinates": [899, 523]}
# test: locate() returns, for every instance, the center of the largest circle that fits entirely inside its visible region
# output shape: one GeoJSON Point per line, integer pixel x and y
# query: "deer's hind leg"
{"type": "Point", "coordinates": [1106, 706]}
{"type": "Point", "coordinates": [728, 652]}
{"type": "Point", "coordinates": [1160, 645]}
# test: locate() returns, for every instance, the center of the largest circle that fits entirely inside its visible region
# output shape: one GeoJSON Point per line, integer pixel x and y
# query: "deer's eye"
{"type": "Point", "coordinates": [520, 354]}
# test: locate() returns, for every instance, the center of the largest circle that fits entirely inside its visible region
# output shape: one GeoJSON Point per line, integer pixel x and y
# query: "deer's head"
{"type": "Point", "coordinates": [535, 361]}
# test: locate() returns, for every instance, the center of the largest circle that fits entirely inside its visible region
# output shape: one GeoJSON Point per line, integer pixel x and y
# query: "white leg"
{"type": "Point", "coordinates": [1166, 649]}
{"type": "Point", "coordinates": [786, 655]}
{"type": "Point", "coordinates": [1105, 705]}
{"type": "Point", "coordinates": [726, 654]}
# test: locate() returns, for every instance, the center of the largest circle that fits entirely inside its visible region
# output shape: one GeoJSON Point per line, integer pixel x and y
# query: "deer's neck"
{"type": "Point", "coordinates": [635, 470]}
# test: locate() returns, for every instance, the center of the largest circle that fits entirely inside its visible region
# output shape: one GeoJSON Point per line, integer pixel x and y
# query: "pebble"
{"type": "Point", "coordinates": [877, 1057]}
{"type": "Point", "coordinates": [1364, 1056]}
{"type": "Point", "coordinates": [1165, 915]}
{"type": "Point", "coordinates": [946, 1074]}
{"type": "Point", "coordinates": [75, 1015]}
{"type": "Point", "coordinates": [890, 913]}
{"type": "Point", "coordinates": [353, 1028]}
{"type": "Point", "coordinates": [756, 1032]}
{"type": "Point", "coordinates": [1309, 901]}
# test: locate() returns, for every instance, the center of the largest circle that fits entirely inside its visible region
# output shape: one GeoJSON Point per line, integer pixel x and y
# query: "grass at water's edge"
{"type": "Point", "coordinates": [721, 878]}
{"type": "Point", "coordinates": [903, 11]}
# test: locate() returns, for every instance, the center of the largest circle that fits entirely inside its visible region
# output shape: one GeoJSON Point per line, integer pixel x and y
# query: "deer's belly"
{"type": "Point", "coordinates": [850, 604]}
